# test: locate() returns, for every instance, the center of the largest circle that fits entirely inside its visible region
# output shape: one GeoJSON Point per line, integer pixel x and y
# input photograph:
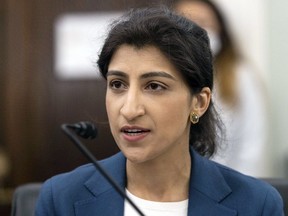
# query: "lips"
{"type": "Point", "coordinates": [134, 133]}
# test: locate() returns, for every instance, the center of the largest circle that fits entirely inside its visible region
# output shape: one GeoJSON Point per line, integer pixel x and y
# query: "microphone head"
{"type": "Point", "coordinates": [86, 130]}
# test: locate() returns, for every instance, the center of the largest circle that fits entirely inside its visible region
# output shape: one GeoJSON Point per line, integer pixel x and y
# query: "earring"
{"type": "Point", "coordinates": [194, 118]}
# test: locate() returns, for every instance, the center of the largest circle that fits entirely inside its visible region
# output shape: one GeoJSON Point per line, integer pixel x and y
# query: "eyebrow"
{"type": "Point", "coordinates": [143, 76]}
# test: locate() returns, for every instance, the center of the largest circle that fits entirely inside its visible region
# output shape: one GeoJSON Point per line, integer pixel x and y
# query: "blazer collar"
{"type": "Point", "coordinates": [104, 199]}
{"type": "Point", "coordinates": [207, 189]}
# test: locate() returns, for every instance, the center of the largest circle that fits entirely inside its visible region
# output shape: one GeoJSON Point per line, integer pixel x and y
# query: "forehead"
{"type": "Point", "coordinates": [149, 58]}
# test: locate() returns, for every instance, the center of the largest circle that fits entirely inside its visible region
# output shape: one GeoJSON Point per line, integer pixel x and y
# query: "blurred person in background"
{"type": "Point", "coordinates": [239, 93]}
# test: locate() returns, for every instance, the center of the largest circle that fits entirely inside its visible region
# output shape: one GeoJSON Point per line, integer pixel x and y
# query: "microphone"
{"type": "Point", "coordinates": [88, 130]}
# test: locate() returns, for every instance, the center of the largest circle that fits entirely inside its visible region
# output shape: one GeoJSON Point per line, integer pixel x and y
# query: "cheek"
{"type": "Point", "coordinates": [173, 114]}
{"type": "Point", "coordinates": [176, 119]}
{"type": "Point", "coordinates": [109, 107]}
{"type": "Point", "coordinates": [111, 113]}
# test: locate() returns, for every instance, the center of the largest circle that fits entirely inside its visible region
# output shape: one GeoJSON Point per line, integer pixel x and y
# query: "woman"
{"type": "Point", "coordinates": [158, 68]}
{"type": "Point", "coordinates": [240, 98]}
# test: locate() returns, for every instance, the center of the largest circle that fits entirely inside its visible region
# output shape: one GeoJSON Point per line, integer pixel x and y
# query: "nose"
{"type": "Point", "coordinates": [132, 106]}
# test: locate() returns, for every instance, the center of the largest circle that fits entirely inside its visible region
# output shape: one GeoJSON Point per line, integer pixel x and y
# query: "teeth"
{"type": "Point", "coordinates": [133, 134]}
{"type": "Point", "coordinates": [133, 131]}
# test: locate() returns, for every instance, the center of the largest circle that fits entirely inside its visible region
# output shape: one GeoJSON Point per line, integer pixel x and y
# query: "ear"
{"type": "Point", "coordinates": [201, 101]}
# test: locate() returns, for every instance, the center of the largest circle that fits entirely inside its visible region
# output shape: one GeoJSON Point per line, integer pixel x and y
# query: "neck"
{"type": "Point", "coordinates": [160, 180]}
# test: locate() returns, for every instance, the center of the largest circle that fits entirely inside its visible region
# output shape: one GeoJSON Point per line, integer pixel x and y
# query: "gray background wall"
{"type": "Point", "coordinates": [278, 80]}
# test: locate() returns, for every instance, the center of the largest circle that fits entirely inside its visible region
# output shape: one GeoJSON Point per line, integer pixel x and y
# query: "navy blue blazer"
{"type": "Point", "coordinates": [215, 190]}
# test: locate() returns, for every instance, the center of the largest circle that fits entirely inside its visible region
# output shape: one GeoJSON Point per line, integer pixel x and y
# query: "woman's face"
{"type": "Point", "coordinates": [200, 13]}
{"type": "Point", "coordinates": [148, 104]}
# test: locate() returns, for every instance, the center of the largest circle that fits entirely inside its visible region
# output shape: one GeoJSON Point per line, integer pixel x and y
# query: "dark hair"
{"type": "Point", "coordinates": [184, 43]}
{"type": "Point", "coordinates": [226, 60]}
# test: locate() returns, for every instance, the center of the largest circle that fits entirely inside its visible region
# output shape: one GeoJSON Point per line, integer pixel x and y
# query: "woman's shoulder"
{"type": "Point", "coordinates": [81, 174]}
{"type": "Point", "coordinates": [60, 192]}
{"type": "Point", "coordinates": [231, 189]}
{"type": "Point", "coordinates": [250, 187]}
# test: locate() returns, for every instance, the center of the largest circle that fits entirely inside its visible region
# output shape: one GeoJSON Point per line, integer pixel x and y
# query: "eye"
{"type": "Point", "coordinates": [156, 86]}
{"type": "Point", "coordinates": [116, 84]}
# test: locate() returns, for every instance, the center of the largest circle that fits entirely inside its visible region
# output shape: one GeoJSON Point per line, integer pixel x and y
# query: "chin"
{"type": "Point", "coordinates": [136, 157]}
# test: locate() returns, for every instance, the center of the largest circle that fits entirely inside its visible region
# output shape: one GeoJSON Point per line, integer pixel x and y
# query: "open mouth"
{"type": "Point", "coordinates": [134, 132]}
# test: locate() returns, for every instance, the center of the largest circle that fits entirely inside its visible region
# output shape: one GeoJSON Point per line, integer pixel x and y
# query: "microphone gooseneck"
{"type": "Point", "coordinates": [88, 130]}
{"type": "Point", "coordinates": [85, 129]}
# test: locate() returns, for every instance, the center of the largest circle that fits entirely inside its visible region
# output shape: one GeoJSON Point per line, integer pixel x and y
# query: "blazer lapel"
{"type": "Point", "coordinates": [109, 203]}
{"type": "Point", "coordinates": [104, 199]}
{"type": "Point", "coordinates": [207, 189]}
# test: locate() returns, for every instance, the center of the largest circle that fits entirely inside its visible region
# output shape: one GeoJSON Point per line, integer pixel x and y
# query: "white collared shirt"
{"type": "Point", "coordinates": [152, 208]}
